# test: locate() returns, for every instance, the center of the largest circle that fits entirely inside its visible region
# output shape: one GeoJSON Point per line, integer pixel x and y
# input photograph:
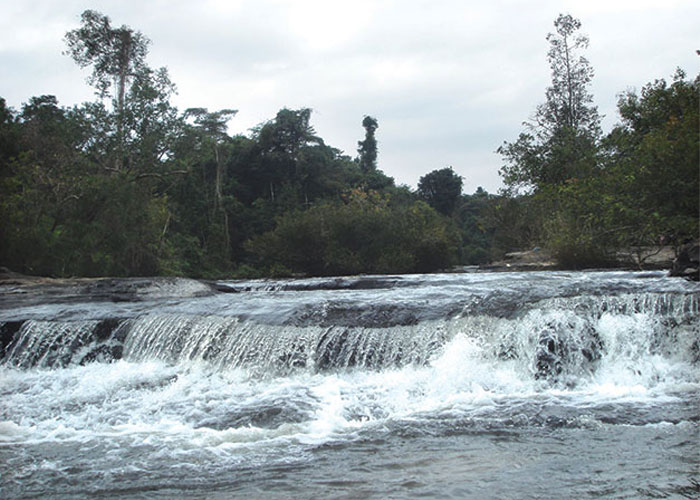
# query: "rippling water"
{"type": "Point", "coordinates": [541, 385]}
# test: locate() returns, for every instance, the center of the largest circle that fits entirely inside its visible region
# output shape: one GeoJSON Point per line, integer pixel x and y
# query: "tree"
{"type": "Point", "coordinates": [213, 126]}
{"type": "Point", "coordinates": [365, 234]}
{"type": "Point", "coordinates": [368, 148]}
{"type": "Point", "coordinates": [655, 152]}
{"type": "Point", "coordinates": [568, 101]}
{"type": "Point", "coordinates": [40, 184]}
{"type": "Point", "coordinates": [116, 55]}
{"type": "Point", "coordinates": [560, 142]}
{"type": "Point", "coordinates": [441, 189]}
{"type": "Point", "coordinates": [476, 230]}
{"type": "Point", "coordinates": [8, 136]}
{"type": "Point", "coordinates": [213, 129]}
{"type": "Point", "coordinates": [279, 145]}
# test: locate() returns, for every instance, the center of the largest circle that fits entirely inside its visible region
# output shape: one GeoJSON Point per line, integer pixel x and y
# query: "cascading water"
{"type": "Point", "coordinates": [464, 385]}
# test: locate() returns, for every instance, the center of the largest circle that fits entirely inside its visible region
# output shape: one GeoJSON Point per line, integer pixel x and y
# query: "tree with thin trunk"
{"type": "Point", "coordinates": [560, 142]}
{"type": "Point", "coordinates": [116, 56]}
{"type": "Point", "coordinates": [213, 126]}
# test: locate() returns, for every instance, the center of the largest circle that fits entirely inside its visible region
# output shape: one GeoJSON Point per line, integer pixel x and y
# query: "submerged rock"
{"type": "Point", "coordinates": [566, 348]}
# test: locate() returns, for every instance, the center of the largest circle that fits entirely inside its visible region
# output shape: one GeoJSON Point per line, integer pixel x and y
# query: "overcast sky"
{"type": "Point", "coordinates": [448, 81]}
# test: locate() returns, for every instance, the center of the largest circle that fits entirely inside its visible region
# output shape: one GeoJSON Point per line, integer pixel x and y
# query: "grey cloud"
{"type": "Point", "coordinates": [448, 81]}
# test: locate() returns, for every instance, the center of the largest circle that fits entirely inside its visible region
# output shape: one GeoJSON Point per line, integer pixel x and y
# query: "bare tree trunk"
{"type": "Point", "coordinates": [219, 175]}
{"type": "Point", "coordinates": [219, 197]}
{"type": "Point", "coordinates": [570, 92]}
{"type": "Point", "coordinates": [124, 58]}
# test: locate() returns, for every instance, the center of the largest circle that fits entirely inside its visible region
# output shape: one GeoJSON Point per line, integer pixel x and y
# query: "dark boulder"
{"type": "Point", "coordinates": [330, 350]}
{"type": "Point", "coordinates": [687, 263]}
{"type": "Point", "coordinates": [551, 352]}
{"type": "Point", "coordinates": [566, 348]}
{"type": "Point", "coordinates": [8, 330]}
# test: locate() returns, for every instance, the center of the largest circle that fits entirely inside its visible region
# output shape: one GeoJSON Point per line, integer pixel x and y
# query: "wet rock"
{"type": "Point", "coordinates": [310, 284]}
{"type": "Point", "coordinates": [55, 344]}
{"type": "Point", "coordinates": [329, 349]}
{"type": "Point", "coordinates": [687, 263]}
{"type": "Point", "coordinates": [105, 328]}
{"type": "Point", "coordinates": [549, 358]}
{"type": "Point", "coordinates": [106, 342]}
{"type": "Point", "coordinates": [8, 330]}
{"type": "Point", "coordinates": [529, 260]}
{"type": "Point", "coordinates": [564, 348]}
{"type": "Point", "coordinates": [41, 291]}
{"type": "Point", "coordinates": [103, 353]}
{"type": "Point", "coordinates": [358, 315]}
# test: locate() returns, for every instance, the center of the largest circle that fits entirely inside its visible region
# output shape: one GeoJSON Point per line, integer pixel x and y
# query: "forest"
{"type": "Point", "coordinates": [128, 185]}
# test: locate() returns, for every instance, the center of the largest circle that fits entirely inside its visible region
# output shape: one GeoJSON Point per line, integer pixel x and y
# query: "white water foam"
{"type": "Point", "coordinates": [192, 405]}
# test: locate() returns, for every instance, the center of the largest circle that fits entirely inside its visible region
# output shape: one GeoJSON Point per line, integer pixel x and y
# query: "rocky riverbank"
{"type": "Point", "coordinates": [17, 288]}
{"type": "Point", "coordinates": [683, 262]}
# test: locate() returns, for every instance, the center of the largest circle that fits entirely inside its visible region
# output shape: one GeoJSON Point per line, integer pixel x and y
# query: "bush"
{"type": "Point", "coordinates": [363, 235]}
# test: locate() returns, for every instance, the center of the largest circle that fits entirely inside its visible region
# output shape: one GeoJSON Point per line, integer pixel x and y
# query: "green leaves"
{"type": "Point", "coordinates": [561, 140]}
{"type": "Point", "coordinates": [592, 198]}
{"type": "Point", "coordinates": [441, 189]}
{"type": "Point", "coordinates": [116, 54]}
{"type": "Point", "coordinates": [363, 235]}
{"type": "Point", "coordinates": [367, 149]}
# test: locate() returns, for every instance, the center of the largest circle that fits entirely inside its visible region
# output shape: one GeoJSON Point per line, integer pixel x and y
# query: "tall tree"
{"type": "Point", "coordinates": [214, 131]}
{"type": "Point", "coordinates": [116, 56]}
{"type": "Point", "coordinates": [8, 136]}
{"type": "Point", "coordinates": [560, 142]}
{"type": "Point", "coordinates": [280, 143]}
{"type": "Point", "coordinates": [569, 103]}
{"type": "Point", "coordinates": [368, 148]}
{"type": "Point", "coordinates": [213, 126]}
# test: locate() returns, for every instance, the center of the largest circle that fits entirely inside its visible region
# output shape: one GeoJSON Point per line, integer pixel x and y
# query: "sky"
{"type": "Point", "coordinates": [448, 81]}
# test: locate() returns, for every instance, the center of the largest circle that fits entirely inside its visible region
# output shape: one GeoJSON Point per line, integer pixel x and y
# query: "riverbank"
{"type": "Point", "coordinates": [135, 289]}
{"type": "Point", "coordinates": [643, 258]}
{"type": "Point", "coordinates": [682, 262]}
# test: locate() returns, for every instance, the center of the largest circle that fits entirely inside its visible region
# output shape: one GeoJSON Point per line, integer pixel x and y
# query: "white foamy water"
{"type": "Point", "coordinates": [442, 386]}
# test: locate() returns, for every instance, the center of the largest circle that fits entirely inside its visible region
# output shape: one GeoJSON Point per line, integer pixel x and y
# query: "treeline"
{"type": "Point", "coordinates": [129, 185]}
{"type": "Point", "coordinates": [588, 196]}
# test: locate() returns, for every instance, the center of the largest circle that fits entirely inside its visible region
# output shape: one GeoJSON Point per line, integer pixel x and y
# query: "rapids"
{"type": "Point", "coordinates": [507, 385]}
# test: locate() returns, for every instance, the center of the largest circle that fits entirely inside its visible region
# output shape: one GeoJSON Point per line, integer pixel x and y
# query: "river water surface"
{"type": "Point", "coordinates": [517, 385]}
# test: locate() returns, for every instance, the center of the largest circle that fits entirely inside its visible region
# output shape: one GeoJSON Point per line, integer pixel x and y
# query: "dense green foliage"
{"type": "Point", "coordinates": [367, 149]}
{"type": "Point", "coordinates": [129, 185]}
{"type": "Point", "coordinates": [588, 197]}
{"type": "Point", "coordinates": [363, 233]}
{"type": "Point", "coordinates": [441, 189]}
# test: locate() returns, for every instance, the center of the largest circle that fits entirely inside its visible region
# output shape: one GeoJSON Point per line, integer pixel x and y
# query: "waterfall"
{"type": "Point", "coordinates": [229, 342]}
{"type": "Point", "coordinates": [475, 378]}
{"type": "Point", "coordinates": [50, 344]}
{"type": "Point", "coordinates": [561, 340]}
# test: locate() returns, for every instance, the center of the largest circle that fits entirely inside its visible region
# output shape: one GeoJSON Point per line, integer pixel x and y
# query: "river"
{"type": "Point", "coordinates": [500, 385]}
